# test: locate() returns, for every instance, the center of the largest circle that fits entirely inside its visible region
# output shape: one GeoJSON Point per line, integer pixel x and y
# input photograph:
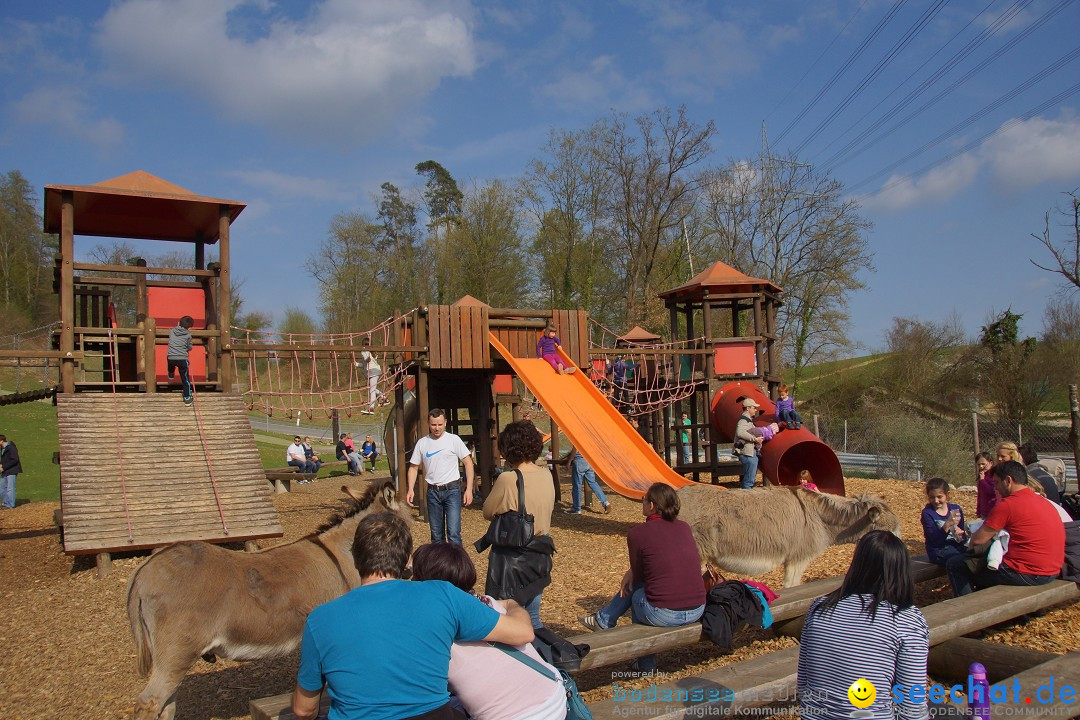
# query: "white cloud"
{"type": "Point", "coordinates": [1034, 152]}
{"type": "Point", "coordinates": [935, 187]}
{"type": "Point", "coordinates": [600, 83]}
{"type": "Point", "coordinates": [342, 74]}
{"type": "Point", "coordinates": [293, 187]}
{"type": "Point", "coordinates": [65, 109]}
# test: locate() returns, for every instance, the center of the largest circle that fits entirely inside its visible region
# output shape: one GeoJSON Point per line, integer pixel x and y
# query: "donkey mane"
{"type": "Point", "coordinates": [355, 506]}
{"type": "Point", "coordinates": [838, 509]}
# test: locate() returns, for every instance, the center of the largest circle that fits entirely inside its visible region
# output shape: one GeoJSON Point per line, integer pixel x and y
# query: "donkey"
{"type": "Point", "coordinates": [196, 599]}
{"type": "Point", "coordinates": [753, 531]}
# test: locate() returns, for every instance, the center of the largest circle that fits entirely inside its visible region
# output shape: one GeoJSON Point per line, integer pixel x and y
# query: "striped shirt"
{"type": "Point", "coordinates": [842, 645]}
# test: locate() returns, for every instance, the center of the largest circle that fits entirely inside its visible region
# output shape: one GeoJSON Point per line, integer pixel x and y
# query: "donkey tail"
{"type": "Point", "coordinates": [140, 631]}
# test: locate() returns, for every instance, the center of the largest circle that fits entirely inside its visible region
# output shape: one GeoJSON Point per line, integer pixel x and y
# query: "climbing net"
{"type": "Point", "coordinates": [657, 374]}
{"type": "Point", "coordinates": [287, 382]}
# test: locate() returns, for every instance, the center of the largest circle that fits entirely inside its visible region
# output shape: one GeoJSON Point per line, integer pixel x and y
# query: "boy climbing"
{"type": "Point", "coordinates": [177, 355]}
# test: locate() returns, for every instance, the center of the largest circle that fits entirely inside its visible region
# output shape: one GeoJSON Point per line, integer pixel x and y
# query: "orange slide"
{"type": "Point", "coordinates": [618, 454]}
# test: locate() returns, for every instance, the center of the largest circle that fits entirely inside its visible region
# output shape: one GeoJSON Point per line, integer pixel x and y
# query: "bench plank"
{"type": "Point", "coordinates": [1062, 670]}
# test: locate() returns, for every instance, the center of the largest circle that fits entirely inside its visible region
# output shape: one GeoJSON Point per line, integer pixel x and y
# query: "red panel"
{"type": "Point", "coordinates": [167, 306]}
{"type": "Point", "coordinates": [504, 384]}
{"type": "Point", "coordinates": [599, 370]}
{"type": "Point", "coordinates": [735, 359]}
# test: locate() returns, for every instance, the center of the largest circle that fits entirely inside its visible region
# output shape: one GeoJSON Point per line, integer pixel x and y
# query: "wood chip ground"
{"type": "Point", "coordinates": [67, 650]}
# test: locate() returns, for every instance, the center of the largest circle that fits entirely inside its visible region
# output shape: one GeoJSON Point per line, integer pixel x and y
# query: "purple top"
{"type": "Point", "coordinates": [936, 538]}
{"type": "Point", "coordinates": [786, 405]}
{"type": "Point", "coordinates": [763, 431]}
{"type": "Point", "coordinates": [546, 345]}
{"type": "Point", "coordinates": [987, 496]}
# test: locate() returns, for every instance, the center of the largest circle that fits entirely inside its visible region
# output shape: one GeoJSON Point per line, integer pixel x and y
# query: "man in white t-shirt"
{"type": "Point", "coordinates": [296, 457]}
{"type": "Point", "coordinates": [440, 452]}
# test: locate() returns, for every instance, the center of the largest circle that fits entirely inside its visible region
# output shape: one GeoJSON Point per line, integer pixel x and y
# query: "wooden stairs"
{"type": "Point", "coordinates": [134, 472]}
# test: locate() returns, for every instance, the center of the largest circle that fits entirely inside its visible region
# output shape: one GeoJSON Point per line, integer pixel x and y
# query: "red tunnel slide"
{"type": "Point", "coordinates": [789, 452]}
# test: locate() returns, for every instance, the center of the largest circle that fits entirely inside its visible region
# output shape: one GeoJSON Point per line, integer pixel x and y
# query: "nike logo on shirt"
{"type": "Point", "coordinates": [434, 453]}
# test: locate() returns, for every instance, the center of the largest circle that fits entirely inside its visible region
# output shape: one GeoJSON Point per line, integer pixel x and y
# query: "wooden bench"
{"type": "Point", "coordinates": [281, 478]}
{"type": "Point", "coordinates": [771, 679]}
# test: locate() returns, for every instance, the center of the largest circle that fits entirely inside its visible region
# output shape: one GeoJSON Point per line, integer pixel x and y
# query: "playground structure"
{"type": "Point", "coordinates": [461, 357]}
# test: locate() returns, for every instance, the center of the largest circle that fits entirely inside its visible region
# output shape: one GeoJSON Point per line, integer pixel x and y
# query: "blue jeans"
{"type": "Point", "coordinates": [786, 416]}
{"type": "Point", "coordinates": [687, 454]}
{"type": "Point", "coordinates": [964, 582]}
{"type": "Point", "coordinates": [749, 470]}
{"type": "Point", "coordinates": [181, 366]}
{"type": "Point", "coordinates": [444, 512]}
{"type": "Point", "coordinates": [582, 471]}
{"type": "Point", "coordinates": [304, 466]}
{"type": "Point", "coordinates": [7, 490]}
{"type": "Point", "coordinates": [643, 613]}
{"type": "Point", "coordinates": [946, 553]}
{"type": "Point", "coordinates": [533, 608]}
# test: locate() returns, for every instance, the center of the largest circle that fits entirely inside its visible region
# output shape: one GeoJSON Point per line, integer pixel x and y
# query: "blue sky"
{"type": "Point", "coordinates": [302, 109]}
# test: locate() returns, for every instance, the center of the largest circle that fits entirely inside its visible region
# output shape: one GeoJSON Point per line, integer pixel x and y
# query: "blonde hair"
{"type": "Point", "coordinates": [1010, 447]}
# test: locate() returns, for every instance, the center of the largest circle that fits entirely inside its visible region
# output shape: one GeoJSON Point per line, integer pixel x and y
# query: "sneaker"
{"type": "Point", "coordinates": [572, 511]}
{"type": "Point", "coordinates": [607, 508]}
{"type": "Point", "coordinates": [188, 401]}
{"type": "Point", "coordinates": [562, 370]}
{"type": "Point", "coordinates": [791, 426]}
{"type": "Point", "coordinates": [571, 370]}
{"type": "Point", "coordinates": [367, 412]}
{"type": "Point", "coordinates": [590, 622]}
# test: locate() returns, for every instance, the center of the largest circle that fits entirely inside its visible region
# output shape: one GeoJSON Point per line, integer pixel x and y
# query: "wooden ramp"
{"type": "Point", "coordinates": [164, 493]}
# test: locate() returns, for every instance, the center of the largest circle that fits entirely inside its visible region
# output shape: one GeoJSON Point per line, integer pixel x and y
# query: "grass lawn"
{"type": "Point", "coordinates": [32, 427]}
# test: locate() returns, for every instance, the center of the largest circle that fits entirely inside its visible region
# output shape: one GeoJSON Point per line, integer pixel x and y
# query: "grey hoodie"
{"type": "Point", "coordinates": [179, 343]}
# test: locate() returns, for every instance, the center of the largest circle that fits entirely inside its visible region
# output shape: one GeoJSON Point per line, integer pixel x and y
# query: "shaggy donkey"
{"type": "Point", "coordinates": [196, 599]}
{"type": "Point", "coordinates": [752, 531]}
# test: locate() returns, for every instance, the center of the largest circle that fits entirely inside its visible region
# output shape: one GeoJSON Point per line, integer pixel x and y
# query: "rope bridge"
{"type": "Point", "coordinates": [310, 382]}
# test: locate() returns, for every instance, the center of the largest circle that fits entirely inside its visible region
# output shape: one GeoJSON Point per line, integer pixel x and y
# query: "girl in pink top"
{"type": "Point", "coordinates": [987, 495]}
{"type": "Point", "coordinates": [488, 682]}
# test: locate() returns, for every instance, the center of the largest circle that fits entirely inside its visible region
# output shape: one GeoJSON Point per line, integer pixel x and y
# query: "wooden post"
{"type": "Point", "coordinates": [401, 461]}
{"type": "Point", "coordinates": [213, 344]}
{"type": "Point", "coordinates": [759, 345]}
{"type": "Point", "coordinates": [770, 343]}
{"type": "Point", "coordinates": [67, 291]}
{"type": "Point", "coordinates": [423, 406]}
{"type": "Point", "coordinates": [335, 425]}
{"type": "Point", "coordinates": [482, 429]}
{"type": "Point", "coordinates": [224, 299]}
{"type": "Point", "coordinates": [141, 311]}
{"type": "Point", "coordinates": [251, 546]}
{"type": "Point", "coordinates": [975, 435]}
{"type": "Point", "coordinates": [104, 564]}
{"type": "Point", "coordinates": [1074, 432]}
{"type": "Point", "coordinates": [200, 253]}
{"type": "Point", "coordinates": [817, 432]}
{"type": "Point", "coordinates": [150, 351]}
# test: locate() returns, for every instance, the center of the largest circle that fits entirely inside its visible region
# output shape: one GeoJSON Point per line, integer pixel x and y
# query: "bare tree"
{"type": "Point", "coordinates": [1067, 255]}
{"type": "Point", "coordinates": [779, 220]}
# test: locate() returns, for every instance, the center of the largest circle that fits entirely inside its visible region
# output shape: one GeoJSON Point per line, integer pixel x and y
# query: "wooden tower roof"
{"type": "Point", "coordinates": [638, 334]}
{"type": "Point", "coordinates": [719, 278]}
{"type": "Point", "coordinates": [141, 206]}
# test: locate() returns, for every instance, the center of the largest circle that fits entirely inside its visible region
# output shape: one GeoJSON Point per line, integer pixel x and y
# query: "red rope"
{"type": "Point", "coordinates": [206, 454]}
{"type": "Point", "coordinates": [114, 351]}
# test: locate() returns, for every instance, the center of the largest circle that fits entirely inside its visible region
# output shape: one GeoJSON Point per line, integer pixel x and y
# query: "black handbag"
{"type": "Point", "coordinates": [514, 528]}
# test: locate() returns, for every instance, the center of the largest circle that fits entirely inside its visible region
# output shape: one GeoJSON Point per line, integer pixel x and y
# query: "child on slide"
{"type": "Point", "coordinates": [546, 349]}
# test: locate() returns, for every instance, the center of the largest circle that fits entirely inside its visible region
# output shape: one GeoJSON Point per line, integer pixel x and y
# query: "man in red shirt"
{"type": "Point", "coordinates": [1036, 537]}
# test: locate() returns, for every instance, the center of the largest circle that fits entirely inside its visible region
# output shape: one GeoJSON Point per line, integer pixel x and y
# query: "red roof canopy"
{"type": "Point", "coordinates": [140, 206]}
{"type": "Point", "coordinates": [719, 278]}
{"type": "Point", "coordinates": [469, 301]}
{"type": "Point", "coordinates": [638, 334]}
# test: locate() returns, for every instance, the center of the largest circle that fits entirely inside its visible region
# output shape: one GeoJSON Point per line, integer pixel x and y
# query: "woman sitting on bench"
{"type": "Point", "coordinates": [663, 586]}
{"type": "Point", "coordinates": [369, 451]}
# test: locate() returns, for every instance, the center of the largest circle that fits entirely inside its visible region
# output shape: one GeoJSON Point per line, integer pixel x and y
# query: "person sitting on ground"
{"type": "Point", "coordinates": [520, 444]}
{"type": "Point", "coordinates": [547, 350]}
{"type": "Point", "coordinates": [296, 457]}
{"type": "Point", "coordinates": [785, 410]}
{"type": "Point", "coordinates": [369, 452]}
{"type": "Point", "coordinates": [491, 683]}
{"type": "Point", "coordinates": [356, 463]}
{"type": "Point", "coordinates": [345, 641]}
{"type": "Point", "coordinates": [986, 496]}
{"type": "Point", "coordinates": [942, 523]}
{"type": "Point", "coordinates": [876, 604]}
{"type": "Point", "coordinates": [1030, 458]}
{"type": "Point", "coordinates": [1036, 548]}
{"type": "Point", "coordinates": [663, 586]}
{"type": "Point", "coordinates": [309, 453]}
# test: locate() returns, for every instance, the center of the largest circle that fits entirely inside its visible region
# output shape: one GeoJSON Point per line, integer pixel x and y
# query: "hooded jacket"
{"type": "Point", "coordinates": [179, 343]}
{"type": "Point", "coordinates": [9, 459]}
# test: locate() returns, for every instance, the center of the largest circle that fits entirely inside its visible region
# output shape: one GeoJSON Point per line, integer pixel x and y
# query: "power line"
{"type": "Point", "coordinates": [898, 47]}
{"type": "Point", "coordinates": [897, 4]}
{"type": "Point", "coordinates": [839, 158]}
{"type": "Point", "coordinates": [905, 81]}
{"type": "Point", "coordinates": [815, 63]}
{"type": "Point", "coordinates": [1056, 100]}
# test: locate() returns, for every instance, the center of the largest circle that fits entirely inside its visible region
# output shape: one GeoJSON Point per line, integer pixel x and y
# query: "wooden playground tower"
{"type": "Point", "coordinates": [138, 468]}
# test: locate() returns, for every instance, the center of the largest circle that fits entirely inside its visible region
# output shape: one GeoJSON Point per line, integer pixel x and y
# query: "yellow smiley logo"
{"type": "Point", "coordinates": [862, 693]}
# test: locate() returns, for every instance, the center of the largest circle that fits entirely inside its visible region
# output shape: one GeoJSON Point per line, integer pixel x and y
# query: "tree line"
{"type": "Point", "coordinates": [604, 218]}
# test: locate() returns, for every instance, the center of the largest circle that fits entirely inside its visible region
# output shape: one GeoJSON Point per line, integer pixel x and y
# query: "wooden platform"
{"type": "Point", "coordinates": [164, 490]}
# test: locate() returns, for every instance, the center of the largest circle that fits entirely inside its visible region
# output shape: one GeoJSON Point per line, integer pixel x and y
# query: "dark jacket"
{"type": "Point", "coordinates": [518, 573]}
{"type": "Point", "coordinates": [9, 459]}
{"type": "Point", "coordinates": [1071, 569]}
{"type": "Point", "coordinates": [727, 606]}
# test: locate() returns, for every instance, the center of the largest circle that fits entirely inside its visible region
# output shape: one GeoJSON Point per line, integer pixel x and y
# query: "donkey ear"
{"type": "Point", "coordinates": [351, 493]}
{"type": "Point", "coordinates": [874, 513]}
{"type": "Point", "coordinates": [389, 494]}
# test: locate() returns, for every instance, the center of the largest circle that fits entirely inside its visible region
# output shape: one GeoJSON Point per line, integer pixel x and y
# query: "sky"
{"type": "Point", "coordinates": [303, 109]}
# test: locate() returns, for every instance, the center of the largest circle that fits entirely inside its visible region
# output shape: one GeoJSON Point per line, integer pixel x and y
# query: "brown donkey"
{"type": "Point", "coordinates": [196, 599]}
